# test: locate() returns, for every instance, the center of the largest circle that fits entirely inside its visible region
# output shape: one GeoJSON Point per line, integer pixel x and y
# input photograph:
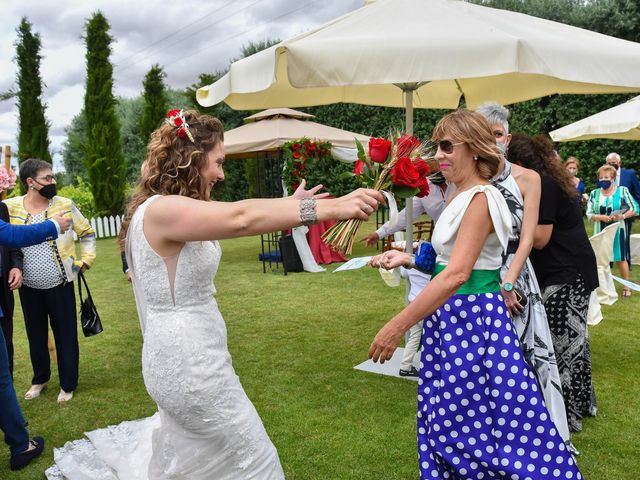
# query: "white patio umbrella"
{"type": "Point", "coordinates": [427, 54]}
{"type": "Point", "coordinates": [621, 122]}
{"type": "Point", "coordinates": [271, 129]}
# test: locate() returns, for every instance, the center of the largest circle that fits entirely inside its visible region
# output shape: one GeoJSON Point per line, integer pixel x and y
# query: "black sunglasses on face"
{"type": "Point", "coordinates": [446, 146]}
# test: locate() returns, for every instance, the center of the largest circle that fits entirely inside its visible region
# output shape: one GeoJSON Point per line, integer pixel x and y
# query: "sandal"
{"type": "Point", "coordinates": [64, 396]}
{"type": "Point", "coordinates": [35, 391]}
{"type": "Point", "coordinates": [626, 292]}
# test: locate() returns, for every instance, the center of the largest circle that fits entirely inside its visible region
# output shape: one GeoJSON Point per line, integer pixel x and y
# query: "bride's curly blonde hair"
{"type": "Point", "coordinates": [173, 164]}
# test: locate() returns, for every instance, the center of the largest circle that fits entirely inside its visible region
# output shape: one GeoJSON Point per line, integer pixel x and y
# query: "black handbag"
{"type": "Point", "coordinates": [89, 317]}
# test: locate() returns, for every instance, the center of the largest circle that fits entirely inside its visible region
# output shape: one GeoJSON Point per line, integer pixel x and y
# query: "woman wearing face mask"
{"type": "Point", "coordinates": [49, 270]}
{"type": "Point", "coordinates": [573, 165]}
{"type": "Point", "coordinates": [610, 204]}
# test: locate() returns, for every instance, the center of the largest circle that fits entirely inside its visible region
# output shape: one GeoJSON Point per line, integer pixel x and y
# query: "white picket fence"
{"type": "Point", "coordinates": [105, 227]}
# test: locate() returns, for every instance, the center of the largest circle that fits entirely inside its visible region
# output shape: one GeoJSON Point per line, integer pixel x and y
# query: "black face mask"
{"type": "Point", "coordinates": [47, 191]}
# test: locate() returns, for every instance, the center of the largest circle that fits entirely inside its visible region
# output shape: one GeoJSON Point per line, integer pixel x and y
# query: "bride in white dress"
{"type": "Point", "coordinates": [206, 427]}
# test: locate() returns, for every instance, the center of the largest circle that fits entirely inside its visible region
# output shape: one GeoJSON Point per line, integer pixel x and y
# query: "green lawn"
{"type": "Point", "coordinates": [294, 340]}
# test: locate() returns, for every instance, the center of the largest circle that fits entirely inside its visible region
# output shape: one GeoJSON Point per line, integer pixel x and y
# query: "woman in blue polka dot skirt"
{"type": "Point", "coordinates": [480, 412]}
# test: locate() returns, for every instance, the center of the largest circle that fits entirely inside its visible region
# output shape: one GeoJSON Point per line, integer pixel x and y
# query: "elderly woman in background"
{"type": "Point", "coordinates": [572, 164]}
{"type": "Point", "coordinates": [49, 270]}
{"type": "Point", "coordinates": [565, 266]}
{"type": "Point", "coordinates": [609, 204]}
{"type": "Point", "coordinates": [520, 187]}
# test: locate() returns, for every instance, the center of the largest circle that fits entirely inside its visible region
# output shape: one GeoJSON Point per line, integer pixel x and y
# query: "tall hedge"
{"type": "Point", "coordinates": [104, 158]}
{"type": "Point", "coordinates": [155, 102]}
{"type": "Point", "coordinates": [33, 128]}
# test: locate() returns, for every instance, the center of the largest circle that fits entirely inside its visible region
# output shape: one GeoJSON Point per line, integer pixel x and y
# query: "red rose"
{"type": "Point", "coordinates": [359, 167]}
{"type": "Point", "coordinates": [405, 173]}
{"type": "Point", "coordinates": [173, 113]}
{"type": "Point", "coordinates": [182, 132]}
{"type": "Point", "coordinates": [379, 149]}
{"type": "Point", "coordinates": [423, 185]}
{"type": "Point", "coordinates": [177, 121]}
{"type": "Point", "coordinates": [295, 147]}
{"type": "Point", "coordinates": [406, 144]}
{"type": "Point", "coordinates": [423, 168]}
{"type": "Point", "coordinates": [296, 155]}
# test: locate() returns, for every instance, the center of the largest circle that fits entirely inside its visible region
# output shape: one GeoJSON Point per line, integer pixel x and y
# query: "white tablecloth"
{"type": "Point", "coordinates": [635, 249]}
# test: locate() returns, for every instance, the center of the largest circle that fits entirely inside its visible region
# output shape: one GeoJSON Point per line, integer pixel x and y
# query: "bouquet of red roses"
{"type": "Point", "coordinates": [394, 165]}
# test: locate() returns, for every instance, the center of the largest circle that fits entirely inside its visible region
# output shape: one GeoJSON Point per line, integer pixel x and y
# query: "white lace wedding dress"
{"type": "Point", "coordinates": [206, 428]}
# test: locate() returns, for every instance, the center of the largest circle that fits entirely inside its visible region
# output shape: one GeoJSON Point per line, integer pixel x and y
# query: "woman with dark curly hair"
{"type": "Point", "coordinates": [206, 426]}
{"type": "Point", "coordinates": [565, 265]}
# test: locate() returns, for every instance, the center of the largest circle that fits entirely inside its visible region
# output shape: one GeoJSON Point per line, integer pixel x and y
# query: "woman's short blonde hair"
{"type": "Point", "coordinates": [572, 160]}
{"type": "Point", "coordinates": [474, 130]}
{"type": "Point", "coordinates": [608, 169]}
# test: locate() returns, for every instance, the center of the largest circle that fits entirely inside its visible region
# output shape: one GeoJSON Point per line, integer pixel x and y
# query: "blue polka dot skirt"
{"type": "Point", "coordinates": [480, 411]}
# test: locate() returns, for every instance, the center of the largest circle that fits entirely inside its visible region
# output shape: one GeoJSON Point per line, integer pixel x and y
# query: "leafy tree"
{"type": "Point", "coordinates": [33, 128]}
{"type": "Point", "coordinates": [155, 102]}
{"type": "Point", "coordinates": [129, 111]}
{"type": "Point", "coordinates": [74, 150]}
{"type": "Point", "coordinates": [104, 158]}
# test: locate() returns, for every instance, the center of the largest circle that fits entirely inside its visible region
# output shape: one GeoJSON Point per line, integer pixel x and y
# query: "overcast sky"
{"type": "Point", "coordinates": [187, 37]}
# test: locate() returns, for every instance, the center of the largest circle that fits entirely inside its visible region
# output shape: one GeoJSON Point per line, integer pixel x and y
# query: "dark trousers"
{"type": "Point", "coordinates": [11, 419]}
{"type": "Point", "coordinates": [57, 305]}
{"type": "Point", "coordinates": [627, 253]}
{"type": "Point", "coordinates": [6, 322]}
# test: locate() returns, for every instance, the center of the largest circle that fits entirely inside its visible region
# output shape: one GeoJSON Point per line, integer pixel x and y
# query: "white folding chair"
{"type": "Point", "coordinates": [602, 244]}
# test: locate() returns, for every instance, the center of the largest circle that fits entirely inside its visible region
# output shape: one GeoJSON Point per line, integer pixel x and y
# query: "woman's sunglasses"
{"type": "Point", "coordinates": [446, 146]}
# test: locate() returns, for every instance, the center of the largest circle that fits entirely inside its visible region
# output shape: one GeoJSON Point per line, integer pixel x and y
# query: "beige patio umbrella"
{"type": "Point", "coordinates": [270, 129]}
{"type": "Point", "coordinates": [427, 54]}
{"type": "Point", "coordinates": [621, 122]}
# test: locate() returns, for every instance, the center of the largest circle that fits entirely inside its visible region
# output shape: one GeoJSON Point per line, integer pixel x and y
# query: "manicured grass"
{"type": "Point", "coordinates": [294, 340]}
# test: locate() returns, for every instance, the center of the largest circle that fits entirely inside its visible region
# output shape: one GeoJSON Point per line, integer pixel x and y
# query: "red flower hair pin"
{"type": "Point", "coordinates": [176, 118]}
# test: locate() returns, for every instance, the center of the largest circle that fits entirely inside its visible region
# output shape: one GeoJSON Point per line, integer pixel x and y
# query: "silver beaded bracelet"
{"type": "Point", "coordinates": [308, 213]}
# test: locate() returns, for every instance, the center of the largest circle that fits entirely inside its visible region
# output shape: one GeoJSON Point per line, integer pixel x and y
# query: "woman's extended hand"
{"type": "Point", "coordinates": [391, 259]}
{"type": "Point", "coordinates": [385, 343]}
{"type": "Point", "coordinates": [301, 193]}
{"type": "Point", "coordinates": [512, 303]}
{"type": "Point", "coordinates": [62, 221]}
{"type": "Point", "coordinates": [358, 204]}
{"type": "Point", "coordinates": [370, 239]}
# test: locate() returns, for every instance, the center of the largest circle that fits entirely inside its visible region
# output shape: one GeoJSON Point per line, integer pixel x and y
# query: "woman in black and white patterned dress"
{"type": "Point", "coordinates": [565, 266]}
{"type": "Point", "coordinates": [530, 319]}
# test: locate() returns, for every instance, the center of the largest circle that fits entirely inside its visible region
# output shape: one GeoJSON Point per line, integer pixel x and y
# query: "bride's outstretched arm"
{"type": "Point", "coordinates": [182, 219]}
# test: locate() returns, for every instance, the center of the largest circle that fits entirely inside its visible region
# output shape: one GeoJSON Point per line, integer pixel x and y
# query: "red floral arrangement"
{"type": "Point", "coordinates": [176, 118]}
{"type": "Point", "coordinates": [298, 155]}
{"type": "Point", "coordinates": [395, 165]}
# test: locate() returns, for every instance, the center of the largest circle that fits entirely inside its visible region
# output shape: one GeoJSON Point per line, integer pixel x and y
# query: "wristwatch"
{"type": "Point", "coordinates": [508, 286]}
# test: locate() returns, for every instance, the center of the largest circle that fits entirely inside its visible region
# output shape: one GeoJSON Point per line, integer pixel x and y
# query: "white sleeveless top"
{"type": "Point", "coordinates": [446, 230]}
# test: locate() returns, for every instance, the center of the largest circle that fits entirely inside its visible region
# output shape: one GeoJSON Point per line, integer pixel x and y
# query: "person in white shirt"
{"type": "Point", "coordinates": [432, 204]}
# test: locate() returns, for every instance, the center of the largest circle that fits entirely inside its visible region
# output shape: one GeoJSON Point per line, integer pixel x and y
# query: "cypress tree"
{"type": "Point", "coordinates": [104, 158]}
{"type": "Point", "coordinates": [155, 102]}
{"type": "Point", "coordinates": [33, 128]}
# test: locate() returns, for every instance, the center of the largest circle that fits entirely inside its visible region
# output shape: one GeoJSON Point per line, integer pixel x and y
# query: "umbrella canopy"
{"type": "Point", "coordinates": [441, 48]}
{"type": "Point", "coordinates": [621, 122]}
{"type": "Point", "coordinates": [427, 54]}
{"type": "Point", "coordinates": [270, 129]}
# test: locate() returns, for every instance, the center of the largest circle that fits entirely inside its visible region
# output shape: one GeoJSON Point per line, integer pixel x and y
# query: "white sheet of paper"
{"type": "Point", "coordinates": [353, 264]}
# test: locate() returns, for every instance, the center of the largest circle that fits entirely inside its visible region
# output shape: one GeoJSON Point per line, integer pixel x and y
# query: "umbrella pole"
{"type": "Point", "coordinates": [408, 103]}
